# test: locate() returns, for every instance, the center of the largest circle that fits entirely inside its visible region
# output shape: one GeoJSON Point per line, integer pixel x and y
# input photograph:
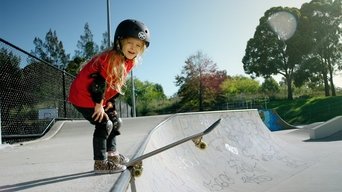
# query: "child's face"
{"type": "Point", "coordinates": [131, 47]}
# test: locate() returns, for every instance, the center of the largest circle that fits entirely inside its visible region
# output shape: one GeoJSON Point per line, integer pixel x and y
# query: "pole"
{"type": "Point", "coordinates": [108, 23]}
{"type": "Point", "coordinates": [109, 32]}
{"type": "Point", "coordinates": [64, 95]}
{"type": "Point", "coordinates": [0, 124]}
{"type": "Point", "coordinates": [133, 96]}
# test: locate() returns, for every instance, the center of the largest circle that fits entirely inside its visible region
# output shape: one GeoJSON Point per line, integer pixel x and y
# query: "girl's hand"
{"type": "Point", "coordinates": [99, 113]}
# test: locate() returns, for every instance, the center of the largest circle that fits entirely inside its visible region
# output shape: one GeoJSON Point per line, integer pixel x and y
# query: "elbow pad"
{"type": "Point", "coordinates": [97, 87]}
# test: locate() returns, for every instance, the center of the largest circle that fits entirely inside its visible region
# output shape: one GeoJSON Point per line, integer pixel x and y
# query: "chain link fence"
{"type": "Point", "coordinates": [33, 95]}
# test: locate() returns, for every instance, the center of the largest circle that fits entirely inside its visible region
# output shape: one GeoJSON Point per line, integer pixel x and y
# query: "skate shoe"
{"type": "Point", "coordinates": [118, 159]}
{"type": "Point", "coordinates": [107, 167]}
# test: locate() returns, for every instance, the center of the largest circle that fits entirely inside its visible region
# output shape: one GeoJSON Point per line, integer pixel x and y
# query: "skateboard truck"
{"type": "Point", "coordinates": [137, 169]}
{"type": "Point", "coordinates": [199, 143]}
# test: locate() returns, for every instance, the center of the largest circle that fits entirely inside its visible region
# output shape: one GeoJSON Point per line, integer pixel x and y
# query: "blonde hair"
{"type": "Point", "coordinates": [116, 71]}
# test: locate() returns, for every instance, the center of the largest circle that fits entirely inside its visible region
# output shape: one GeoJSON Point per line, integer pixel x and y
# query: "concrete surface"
{"type": "Point", "coordinates": [242, 155]}
{"type": "Point", "coordinates": [62, 160]}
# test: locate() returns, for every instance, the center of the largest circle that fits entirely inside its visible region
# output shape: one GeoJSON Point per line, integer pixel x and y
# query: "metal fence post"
{"type": "Point", "coordinates": [0, 123]}
{"type": "Point", "coordinates": [64, 95]}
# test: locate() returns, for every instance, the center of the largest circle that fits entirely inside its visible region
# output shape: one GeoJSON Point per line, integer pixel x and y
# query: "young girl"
{"type": "Point", "coordinates": [96, 86]}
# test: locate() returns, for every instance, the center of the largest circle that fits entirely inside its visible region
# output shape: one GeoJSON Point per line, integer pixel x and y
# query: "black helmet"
{"type": "Point", "coordinates": [131, 28]}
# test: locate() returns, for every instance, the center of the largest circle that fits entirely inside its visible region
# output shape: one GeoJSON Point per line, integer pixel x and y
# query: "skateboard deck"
{"type": "Point", "coordinates": [135, 164]}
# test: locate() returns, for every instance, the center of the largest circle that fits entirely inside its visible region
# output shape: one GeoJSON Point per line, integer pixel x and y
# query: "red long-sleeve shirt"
{"type": "Point", "coordinates": [79, 94]}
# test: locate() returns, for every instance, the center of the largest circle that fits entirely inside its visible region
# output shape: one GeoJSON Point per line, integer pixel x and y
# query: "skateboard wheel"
{"type": "Point", "coordinates": [203, 145]}
{"type": "Point", "coordinates": [137, 172]}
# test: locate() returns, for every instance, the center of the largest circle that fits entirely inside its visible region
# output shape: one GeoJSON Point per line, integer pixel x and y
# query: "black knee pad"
{"type": "Point", "coordinates": [109, 127]}
{"type": "Point", "coordinates": [117, 124]}
{"type": "Point", "coordinates": [116, 120]}
{"type": "Point", "coordinates": [116, 127]}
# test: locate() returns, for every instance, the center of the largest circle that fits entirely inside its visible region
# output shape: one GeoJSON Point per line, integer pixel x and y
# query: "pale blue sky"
{"type": "Point", "coordinates": [179, 28]}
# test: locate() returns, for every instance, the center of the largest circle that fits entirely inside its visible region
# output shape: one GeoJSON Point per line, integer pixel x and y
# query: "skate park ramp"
{"type": "Point", "coordinates": [242, 155]}
{"type": "Point", "coordinates": [274, 122]}
{"type": "Point", "coordinates": [326, 129]}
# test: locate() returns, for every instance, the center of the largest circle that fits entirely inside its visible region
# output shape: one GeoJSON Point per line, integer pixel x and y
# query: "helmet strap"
{"type": "Point", "coordinates": [118, 48]}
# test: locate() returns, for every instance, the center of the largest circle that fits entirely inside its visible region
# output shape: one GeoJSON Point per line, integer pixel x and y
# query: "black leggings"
{"type": "Point", "coordinates": [102, 140]}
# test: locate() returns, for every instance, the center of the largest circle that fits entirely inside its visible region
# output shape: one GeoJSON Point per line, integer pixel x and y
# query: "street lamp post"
{"type": "Point", "coordinates": [133, 96]}
{"type": "Point", "coordinates": [108, 23]}
{"type": "Point", "coordinates": [108, 44]}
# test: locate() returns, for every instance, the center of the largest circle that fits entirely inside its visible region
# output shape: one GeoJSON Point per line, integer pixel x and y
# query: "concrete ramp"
{"type": "Point", "coordinates": [326, 129]}
{"type": "Point", "coordinates": [274, 122]}
{"type": "Point", "coordinates": [242, 155]}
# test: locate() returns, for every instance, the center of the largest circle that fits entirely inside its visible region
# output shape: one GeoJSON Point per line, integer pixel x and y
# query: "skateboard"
{"type": "Point", "coordinates": [135, 165]}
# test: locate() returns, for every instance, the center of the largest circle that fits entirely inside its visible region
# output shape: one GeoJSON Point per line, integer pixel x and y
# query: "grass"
{"type": "Point", "coordinates": [310, 110]}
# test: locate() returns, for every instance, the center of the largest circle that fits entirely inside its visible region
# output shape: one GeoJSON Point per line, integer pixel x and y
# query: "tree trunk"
{"type": "Point", "coordinates": [326, 84]}
{"type": "Point", "coordinates": [201, 98]}
{"type": "Point", "coordinates": [289, 87]}
{"type": "Point", "coordinates": [331, 72]}
{"type": "Point", "coordinates": [200, 92]}
{"type": "Point", "coordinates": [325, 77]}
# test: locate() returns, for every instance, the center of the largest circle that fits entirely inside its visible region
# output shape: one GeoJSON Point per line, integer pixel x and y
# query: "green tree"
{"type": "Point", "coordinates": [74, 65]}
{"type": "Point", "coordinates": [10, 83]}
{"type": "Point", "coordinates": [199, 82]}
{"type": "Point", "coordinates": [51, 50]}
{"type": "Point", "coordinates": [148, 96]}
{"type": "Point", "coordinates": [309, 72]}
{"type": "Point", "coordinates": [240, 85]}
{"type": "Point", "coordinates": [104, 42]}
{"type": "Point", "coordinates": [325, 34]}
{"type": "Point", "coordinates": [272, 51]}
{"type": "Point", "coordinates": [270, 87]}
{"type": "Point", "coordinates": [87, 48]}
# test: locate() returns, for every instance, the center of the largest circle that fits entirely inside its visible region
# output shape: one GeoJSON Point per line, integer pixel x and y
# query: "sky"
{"type": "Point", "coordinates": [179, 29]}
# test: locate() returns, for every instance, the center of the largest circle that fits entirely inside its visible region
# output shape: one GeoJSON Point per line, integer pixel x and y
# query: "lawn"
{"type": "Point", "coordinates": [305, 111]}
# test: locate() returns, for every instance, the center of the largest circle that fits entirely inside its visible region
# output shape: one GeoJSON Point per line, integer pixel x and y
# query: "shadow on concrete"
{"type": "Point", "coordinates": [46, 181]}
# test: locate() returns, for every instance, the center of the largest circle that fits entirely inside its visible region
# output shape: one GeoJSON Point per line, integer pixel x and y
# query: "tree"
{"type": "Point", "coordinates": [270, 87]}
{"type": "Point", "coordinates": [11, 78]}
{"type": "Point", "coordinates": [148, 96]}
{"type": "Point", "coordinates": [87, 48]}
{"type": "Point", "coordinates": [325, 34]}
{"type": "Point", "coordinates": [272, 51]}
{"type": "Point", "coordinates": [74, 65]}
{"type": "Point", "coordinates": [51, 50]}
{"type": "Point", "coordinates": [104, 42]}
{"type": "Point", "coordinates": [199, 82]}
{"type": "Point", "coordinates": [309, 72]}
{"type": "Point", "coordinates": [240, 85]}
